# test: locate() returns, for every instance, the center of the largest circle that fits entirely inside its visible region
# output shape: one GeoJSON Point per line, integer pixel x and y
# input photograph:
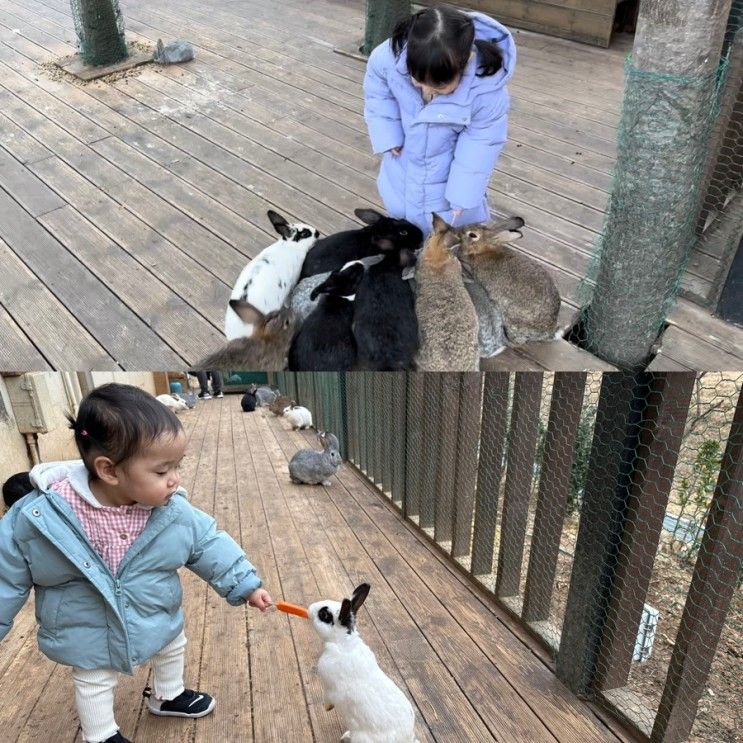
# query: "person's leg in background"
{"type": "Point", "coordinates": [203, 385]}
{"type": "Point", "coordinates": [216, 384]}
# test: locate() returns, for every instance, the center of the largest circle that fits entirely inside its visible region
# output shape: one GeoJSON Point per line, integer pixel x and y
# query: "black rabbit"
{"type": "Point", "coordinates": [382, 234]}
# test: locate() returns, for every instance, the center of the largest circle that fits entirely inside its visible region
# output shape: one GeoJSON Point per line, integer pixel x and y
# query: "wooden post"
{"type": "Point", "coordinates": [468, 439]}
{"type": "Point", "coordinates": [489, 470]}
{"type": "Point", "coordinates": [554, 484]}
{"type": "Point", "coordinates": [414, 444]}
{"type": "Point", "coordinates": [660, 440]}
{"type": "Point", "coordinates": [431, 425]}
{"type": "Point", "coordinates": [716, 576]}
{"type": "Point", "coordinates": [399, 440]}
{"type": "Point", "coordinates": [387, 430]}
{"type": "Point", "coordinates": [613, 457]}
{"type": "Point", "coordinates": [381, 18]}
{"type": "Point", "coordinates": [522, 440]}
{"type": "Point", "coordinates": [446, 465]}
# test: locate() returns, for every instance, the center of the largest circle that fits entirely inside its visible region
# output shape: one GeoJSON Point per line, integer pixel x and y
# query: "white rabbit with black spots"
{"type": "Point", "coordinates": [372, 706]}
{"type": "Point", "coordinates": [266, 282]}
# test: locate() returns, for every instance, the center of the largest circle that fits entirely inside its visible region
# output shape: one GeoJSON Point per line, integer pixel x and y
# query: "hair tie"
{"type": "Point", "coordinates": [83, 432]}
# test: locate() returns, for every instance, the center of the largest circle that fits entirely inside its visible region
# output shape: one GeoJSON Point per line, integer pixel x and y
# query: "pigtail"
{"type": "Point", "coordinates": [400, 34]}
{"type": "Point", "coordinates": [489, 58]}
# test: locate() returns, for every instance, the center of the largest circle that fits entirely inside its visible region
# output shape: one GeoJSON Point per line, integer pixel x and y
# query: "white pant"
{"type": "Point", "coordinates": [94, 690]}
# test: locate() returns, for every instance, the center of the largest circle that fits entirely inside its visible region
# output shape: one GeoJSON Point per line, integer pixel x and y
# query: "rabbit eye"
{"type": "Point", "coordinates": [472, 235]}
{"type": "Point", "coordinates": [404, 233]}
{"type": "Point", "coordinates": [324, 615]}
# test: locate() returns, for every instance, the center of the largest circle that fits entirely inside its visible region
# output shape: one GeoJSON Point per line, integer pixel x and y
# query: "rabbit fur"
{"type": "Point", "coordinates": [325, 342]}
{"type": "Point", "coordinates": [312, 467]}
{"type": "Point", "coordinates": [264, 395]}
{"type": "Point", "coordinates": [299, 417]}
{"type": "Point", "coordinates": [372, 706]}
{"type": "Point", "coordinates": [265, 350]}
{"type": "Point", "coordinates": [380, 235]}
{"type": "Point", "coordinates": [269, 278]}
{"type": "Point", "coordinates": [280, 404]}
{"type": "Point", "coordinates": [248, 402]}
{"type": "Point", "coordinates": [447, 320]}
{"type": "Point", "coordinates": [302, 301]}
{"type": "Point", "coordinates": [520, 288]}
{"type": "Point", "coordinates": [174, 402]}
{"type": "Point", "coordinates": [384, 322]}
{"type": "Point", "coordinates": [173, 53]}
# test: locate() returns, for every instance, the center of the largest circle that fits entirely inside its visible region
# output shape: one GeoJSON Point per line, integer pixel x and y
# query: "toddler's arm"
{"type": "Point", "coordinates": [381, 109]}
{"type": "Point", "coordinates": [15, 576]}
{"type": "Point", "coordinates": [220, 561]}
{"type": "Point", "coordinates": [476, 153]}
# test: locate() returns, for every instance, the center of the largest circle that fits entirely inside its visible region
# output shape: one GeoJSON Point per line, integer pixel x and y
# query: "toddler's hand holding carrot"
{"type": "Point", "coordinates": [260, 599]}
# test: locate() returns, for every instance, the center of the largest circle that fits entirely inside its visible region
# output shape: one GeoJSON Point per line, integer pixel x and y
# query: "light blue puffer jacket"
{"type": "Point", "coordinates": [450, 145]}
{"type": "Point", "coordinates": [88, 617]}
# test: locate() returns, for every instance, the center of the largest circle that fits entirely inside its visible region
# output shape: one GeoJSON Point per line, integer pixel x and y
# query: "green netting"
{"type": "Point", "coordinates": [381, 18]}
{"type": "Point", "coordinates": [100, 31]}
{"type": "Point", "coordinates": [675, 217]}
{"type": "Point", "coordinates": [604, 511]}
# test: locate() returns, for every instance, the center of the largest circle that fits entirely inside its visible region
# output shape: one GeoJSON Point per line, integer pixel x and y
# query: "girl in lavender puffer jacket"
{"type": "Point", "coordinates": [436, 106]}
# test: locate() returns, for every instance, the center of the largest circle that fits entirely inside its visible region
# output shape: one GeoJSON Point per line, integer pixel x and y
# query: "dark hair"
{"type": "Point", "coordinates": [118, 421]}
{"type": "Point", "coordinates": [15, 487]}
{"type": "Point", "coordinates": [439, 42]}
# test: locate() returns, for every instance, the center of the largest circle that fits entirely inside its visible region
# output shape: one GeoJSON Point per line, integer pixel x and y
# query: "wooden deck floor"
{"type": "Point", "coordinates": [471, 675]}
{"type": "Point", "coordinates": [130, 206]}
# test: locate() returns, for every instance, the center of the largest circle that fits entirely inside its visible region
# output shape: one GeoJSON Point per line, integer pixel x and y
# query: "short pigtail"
{"type": "Point", "coordinates": [490, 58]}
{"type": "Point", "coordinates": [400, 34]}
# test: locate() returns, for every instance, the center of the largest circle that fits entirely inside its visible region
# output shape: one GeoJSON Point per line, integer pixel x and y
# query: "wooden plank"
{"type": "Point", "coordinates": [552, 498]}
{"type": "Point", "coordinates": [17, 351]}
{"type": "Point", "coordinates": [713, 584]}
{"type": "Point", "coordinates": [113, 325]}
{"type": "Point", "coordinates": [468, 441]}
{"type": "Point", "coordinates": [691, 351]}
{"type": "Point", "coordinates": [660, 440]}
{"type": "Point", "coordinates": [22, 185]}
{"type": "Point", "coordinates": [446, 461]}
{"type": "Point", "coordinates": [562, 356]}
{"type": "Point", "coordinates": [489, 470]}
{"type": "Point", "coordinates": [522, 439]}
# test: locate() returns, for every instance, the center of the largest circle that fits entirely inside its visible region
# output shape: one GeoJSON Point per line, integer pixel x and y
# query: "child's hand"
{"type": "Point", "coordinates": [396, 151]}
{"type": "Point", "coordinates": [456, 213]}
{"type": "Point", "coordinates": [260, 599]}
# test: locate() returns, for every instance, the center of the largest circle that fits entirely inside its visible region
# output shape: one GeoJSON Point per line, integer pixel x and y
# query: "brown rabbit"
{"type": "Point", "coordinates": [447, 320]}
{"type": "Point", "coordinates": [280, 404]}
{"type": "Point", "coordinates": [521, 289]}
{"type": "Point", "coordinates": [265, 350]}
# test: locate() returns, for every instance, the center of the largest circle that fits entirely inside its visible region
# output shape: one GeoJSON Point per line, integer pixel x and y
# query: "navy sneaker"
{"type": "Point", "coordinates": [188, 703]}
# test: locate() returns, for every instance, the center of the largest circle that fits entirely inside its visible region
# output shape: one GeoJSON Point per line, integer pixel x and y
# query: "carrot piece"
{"type": "Point", "coordinates": [299, 611]}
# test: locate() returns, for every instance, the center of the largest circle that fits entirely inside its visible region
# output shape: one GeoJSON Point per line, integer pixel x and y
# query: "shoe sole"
{"type": "Point", "coordinates": [160, 713]}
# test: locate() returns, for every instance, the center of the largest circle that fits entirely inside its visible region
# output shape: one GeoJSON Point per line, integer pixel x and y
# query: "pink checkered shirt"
{"type": "Point", "coordinates": [110, 529]}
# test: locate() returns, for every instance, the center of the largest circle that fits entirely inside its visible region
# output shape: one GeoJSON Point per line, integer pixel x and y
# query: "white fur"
{"type": "Point", "coordinates": [285, 259]}
{"type": "Point", "coordinates": [298, 416]}
{"type": "Point", "coordinates": [173, 402]}
{"type": "Point", "coordinates": [370, 704]}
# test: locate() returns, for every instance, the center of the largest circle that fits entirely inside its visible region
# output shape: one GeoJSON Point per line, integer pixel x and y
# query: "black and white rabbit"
{"type": "Point", "coordinates": [384, 322]}
{"type": "Point", "coordinates": [269, 278]}
{"type": "Point", "coordinates": [325, 342]}
{"type": "Point", "coordinates": [373, 707]}
{"type": "Point", "coordinates": [380, 235]}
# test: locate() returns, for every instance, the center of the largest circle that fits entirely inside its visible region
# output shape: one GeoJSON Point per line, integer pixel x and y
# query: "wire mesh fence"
{"type": "Point", "coordinates": [604, 511]}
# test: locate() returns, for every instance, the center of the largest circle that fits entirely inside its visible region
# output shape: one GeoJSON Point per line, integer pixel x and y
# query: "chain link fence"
{"type": "Point", "coordinates": [605, 512]}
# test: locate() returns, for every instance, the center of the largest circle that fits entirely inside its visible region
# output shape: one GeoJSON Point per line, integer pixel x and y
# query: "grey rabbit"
{"type": "Point", "coordinates": [518, 287]}
{"type": "Point", "coordinates": [313, 467]}
{"type": "Point", "coordinates": [265, 350]}
{"type": "Point", "coordinates": [264, 395]}
{"type": "Point", "coordinates": [173, 53]}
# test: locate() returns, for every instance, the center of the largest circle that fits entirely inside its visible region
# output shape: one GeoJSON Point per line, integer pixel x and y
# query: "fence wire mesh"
{"type": "Point", "coordinates": [604, 511]}
{"type": "Point", "coordinates": [100, 31]}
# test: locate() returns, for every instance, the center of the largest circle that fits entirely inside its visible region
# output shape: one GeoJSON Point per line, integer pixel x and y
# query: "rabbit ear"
{"type": "Point", "coordinates": [247, 312]}
{"type": "Point", "coordinates": [160, 47]}
{"type": "Point", "coordinates": [440, 224]}
{"type": "Point", "coordinates": [345, 617]}
{"type": "Point", "coordinates": [368, 216]}
{"type": "Point", "coordinates": [280, 224]}
{"type": "Point", "coordinates": [359, 596]}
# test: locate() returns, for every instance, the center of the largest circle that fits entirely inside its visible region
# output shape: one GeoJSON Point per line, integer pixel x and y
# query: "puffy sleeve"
{"type": "Point", "coordinates": [15, 574]}
{"type": "Point", "coordinates": [381, 109]}
{"type": "Point", "coordinates": [477, 150]}
{"type": "Point", "coordinates": [220, 561]}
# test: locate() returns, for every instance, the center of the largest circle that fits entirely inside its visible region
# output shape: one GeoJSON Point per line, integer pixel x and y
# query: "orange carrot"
{"type": "Point", "coordinates": [299, 611]}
